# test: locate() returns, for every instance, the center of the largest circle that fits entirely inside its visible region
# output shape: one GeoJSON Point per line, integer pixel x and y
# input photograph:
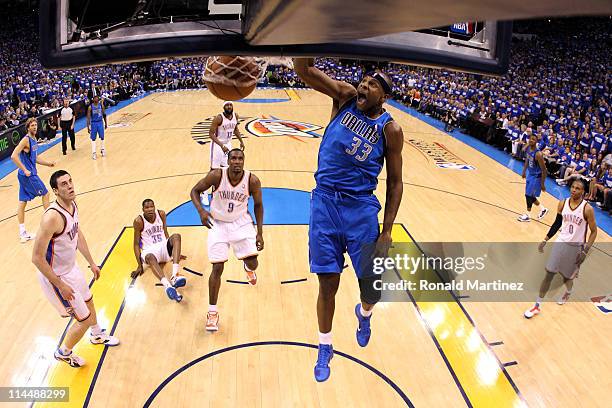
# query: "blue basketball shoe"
{"type": "Point", "coordinates": [322, 370]}
{"type": "Point", "coordinates": [363, 330]}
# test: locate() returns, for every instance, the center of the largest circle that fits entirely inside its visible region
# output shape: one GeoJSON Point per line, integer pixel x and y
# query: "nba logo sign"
{"type": "Point", "coordinates": [603, 303]}
{"type": "Point", "coordinates": [463, 28]}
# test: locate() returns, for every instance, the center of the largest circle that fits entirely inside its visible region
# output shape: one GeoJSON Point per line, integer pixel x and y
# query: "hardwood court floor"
{"type": "Point", "coordinates": [434, 354]}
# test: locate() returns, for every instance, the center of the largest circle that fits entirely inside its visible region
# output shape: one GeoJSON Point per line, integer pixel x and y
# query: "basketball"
{"type": "Point", "coordinates": [231, 78]}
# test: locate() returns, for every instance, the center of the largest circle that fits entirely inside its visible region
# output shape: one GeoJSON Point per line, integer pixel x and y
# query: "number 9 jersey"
{"type": "Point", "coordinates": [230, 202]}
{"type": "Point", "coordinates": [352, 151]}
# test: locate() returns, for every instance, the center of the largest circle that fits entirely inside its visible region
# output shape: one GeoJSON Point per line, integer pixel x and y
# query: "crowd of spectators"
{"type": "Point", "coordinates": [557, 87]}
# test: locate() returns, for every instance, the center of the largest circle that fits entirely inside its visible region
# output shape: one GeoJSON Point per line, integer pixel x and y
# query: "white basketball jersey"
{"type": "Point", "coordinates": [229, 202]}
{"type": "Point", "coordinates": [225, 131]}
{"type": "Point", "coordinates": [152, 233]}
{"type": "Point", "coordinates": [574, 226]}
{"type": "Point", "coordinates": [61, 252]}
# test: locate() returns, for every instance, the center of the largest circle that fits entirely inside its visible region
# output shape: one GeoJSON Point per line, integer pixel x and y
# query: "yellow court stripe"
{"type": "Point", "coordinates": [292, 94]}
{"type": "Point", "coordinates": [108, 294]}
{"type": "Point", "coordinates": [474, 364]}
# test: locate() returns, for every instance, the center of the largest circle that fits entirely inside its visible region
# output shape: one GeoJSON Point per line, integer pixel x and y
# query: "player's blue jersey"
{"type": "Point", "coordinates": [352, 151]}
{"type": "Point", "coordinates": [533, 167]}
{"type": "Point", "coordinates": [29, 159]}
{"type": "Point", "coordinates": [96, 112]}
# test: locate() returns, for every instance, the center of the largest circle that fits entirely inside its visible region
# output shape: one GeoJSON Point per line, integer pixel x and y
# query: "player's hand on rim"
{"type": "Point", "coordinates": [259, 241]}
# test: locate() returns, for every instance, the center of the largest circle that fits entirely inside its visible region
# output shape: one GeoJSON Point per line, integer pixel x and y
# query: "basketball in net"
{"type": "Point", "coordinates": [231, 78]}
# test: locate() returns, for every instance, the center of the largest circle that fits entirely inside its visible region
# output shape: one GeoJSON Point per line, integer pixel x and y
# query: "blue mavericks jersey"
{"type": "Point", "coordinates": [352, 151]}
{"type": "Point", "coordinates": [96, 112]}
{"type": "Point", "coordinates": [29, 159]}
{"type": "Point", "coordinates": [533, 167]}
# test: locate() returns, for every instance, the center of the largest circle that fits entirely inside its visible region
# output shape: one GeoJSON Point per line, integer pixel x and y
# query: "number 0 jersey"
{"type": "Point", "coordinates": [574, 226]}
{"type": "Point", "coordinates": [230, 202]}
{"type": "Point", "coordinates": [352, 152]}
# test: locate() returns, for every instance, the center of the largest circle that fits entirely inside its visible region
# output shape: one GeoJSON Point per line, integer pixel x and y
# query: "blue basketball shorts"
{"type": "Point", "coordinates": [30, 187]}
{"type": "Point", "coordinates": [533, 187]}
{"type": "Point", "coordinates": [97, 129]}
{"type": "Point", "coordinates": [341, 223]}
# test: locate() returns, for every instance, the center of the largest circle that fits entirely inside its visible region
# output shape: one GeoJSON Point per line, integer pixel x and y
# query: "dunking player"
{"type": "Point", "coordinates": [569, 251]}
{"type": "Point", "coordinates": [535, 170]}
{"type": "Point", "coordinates": [344, 209]}
{"type": "Point", "coordinates": [230, 223]}
{"type": "Point", "coordinates": [95, 115]}
{"type": "Point", "coordinates": [151, 232]}
{"type": "Point", "coordinates": [54, 255]}
{"type": "Point", "coordinates": [31, 186]}
{"type": "Point", "coordinates": [223, 127]}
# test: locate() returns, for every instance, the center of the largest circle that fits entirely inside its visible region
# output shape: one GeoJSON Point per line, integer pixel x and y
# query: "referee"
{"type": "Point", "coordinates": [67, 124]}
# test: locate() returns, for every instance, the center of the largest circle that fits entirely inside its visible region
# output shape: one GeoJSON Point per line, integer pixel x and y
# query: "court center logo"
{"type": "Point", "coordinates": [200, 131]}
{"type": "Point", "coordinates": [441, 155]}
{"type": "Point", "coordinates": [267, 127]}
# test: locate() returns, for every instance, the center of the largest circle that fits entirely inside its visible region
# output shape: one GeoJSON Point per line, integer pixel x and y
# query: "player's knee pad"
{"type": "Point", "coordinates": [368, 289]}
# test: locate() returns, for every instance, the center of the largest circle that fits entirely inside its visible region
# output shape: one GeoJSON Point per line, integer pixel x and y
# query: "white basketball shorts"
{"type": "Point", "coordinates": [239, 234]}
{"type": "Point", "coordinates": [77, 307]}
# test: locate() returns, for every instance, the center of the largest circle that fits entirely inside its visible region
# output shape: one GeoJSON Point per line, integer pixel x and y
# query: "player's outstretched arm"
{"type": "Point", "coordinates": [255, 189]}
{"type": "Point", "coordinates": [138, 226]}
{"type": "Point", "coordinates": [52, 223]}
{"type": "Point", "coordinates": [320, 81]}
{"type": "Point", "coordinates": [395, 187]}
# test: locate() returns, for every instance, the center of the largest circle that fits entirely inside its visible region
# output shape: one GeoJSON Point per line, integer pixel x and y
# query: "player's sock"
{"type": "Point", "coordinates": [325, 338]}
{"type": "Point", "coordinates": [65, 350]}
{"type": "Point", "coordinates": [212, 308]}
{"type": "Point", "coordinates": [22, 229]}
{"type": "Point", "coordinates": [538, 301]}
{"type": "Point", "coordinates": [175, 269]}
{"type": "Point", "coordinates": [165, 282]}
{"type": "Point", "coordinates": [93, 146]}
{"type": "Point", "coordinates": [102, 144]}
{"type": "Point", "coordinates": [363, 312]}
{"type": "Point", "coordinates": [96, 330]}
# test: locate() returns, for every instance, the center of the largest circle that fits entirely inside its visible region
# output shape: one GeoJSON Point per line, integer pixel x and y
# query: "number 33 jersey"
{"type": "Point", "coordinates": [230, 202]}
{"type": "Point", "coordinates": [352, 151]}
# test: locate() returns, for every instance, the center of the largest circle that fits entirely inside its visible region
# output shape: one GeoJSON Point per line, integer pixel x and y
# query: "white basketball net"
{"type": "Point", "coordinates": [240, 71]}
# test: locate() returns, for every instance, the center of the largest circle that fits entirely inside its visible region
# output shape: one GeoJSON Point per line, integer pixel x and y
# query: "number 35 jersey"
{"type": "Point", "coordinates": [352, 152]}
{"type": "Point", "coordinates": [230, 202]}
{"type": "Point", "coordinates": [152, 233]}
